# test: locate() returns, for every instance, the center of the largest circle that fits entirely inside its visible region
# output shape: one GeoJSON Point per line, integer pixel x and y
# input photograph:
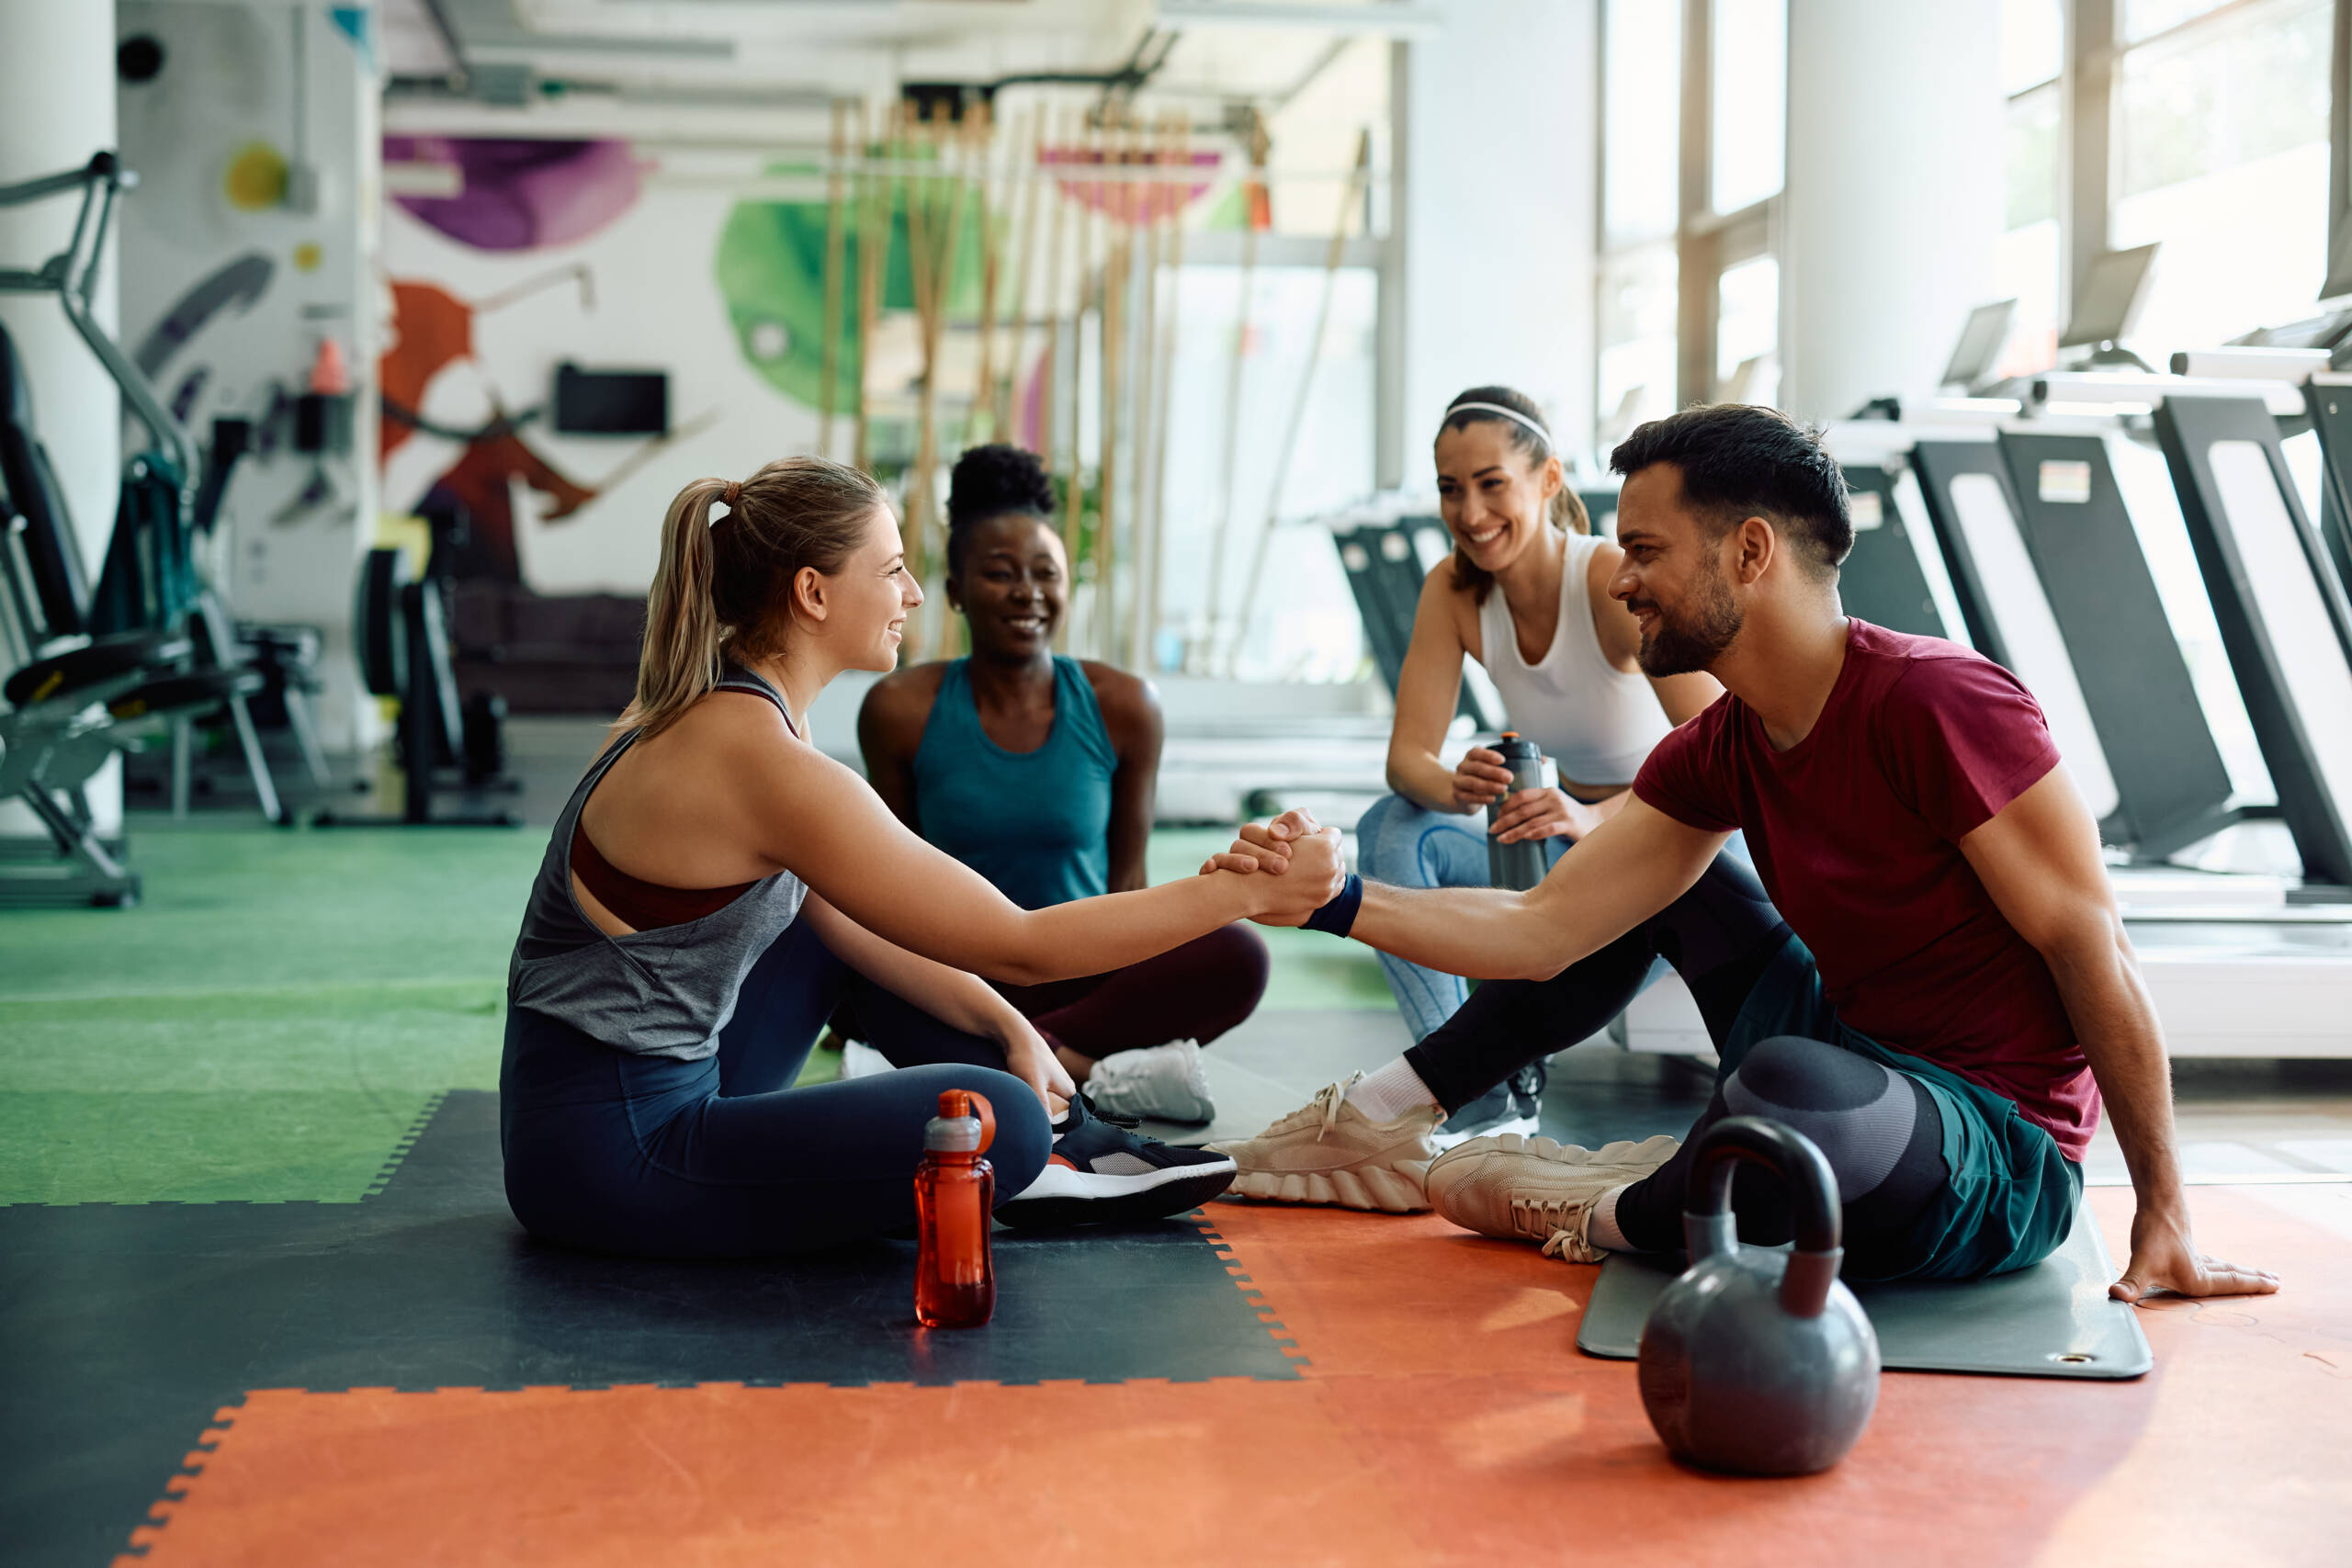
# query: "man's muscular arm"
{"type": "Point", "coordinates": [1621, 873]}
{"type": "Point", "coordinates": [2039, 859]}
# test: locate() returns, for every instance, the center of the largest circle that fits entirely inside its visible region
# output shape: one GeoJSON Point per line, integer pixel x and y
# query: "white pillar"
{"type": "Point", "coordinates": [1894, 193]}
{"type": "Point", "coordinates": [1499, 162]}
{"type": "Point", "coordinates": [56, 109]}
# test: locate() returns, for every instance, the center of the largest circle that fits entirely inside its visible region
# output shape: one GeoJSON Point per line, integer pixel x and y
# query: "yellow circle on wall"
{"type": "Point", "coordinates": [256, 177]}
{"type": "Point", "coordinates": [307, 257]}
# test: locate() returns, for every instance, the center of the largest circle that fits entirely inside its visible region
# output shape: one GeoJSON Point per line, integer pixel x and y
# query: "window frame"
{"type": "Point", "coordinates": [1707, 243]}
{"type": "Point", "coordinates": [2092, 160]}
{"type": "Point", "coordinates": [2089, 168]}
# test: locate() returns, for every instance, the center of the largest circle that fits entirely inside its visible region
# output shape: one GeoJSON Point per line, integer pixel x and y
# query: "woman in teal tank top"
{"type": "Point", "coordinates": [1038, 772]}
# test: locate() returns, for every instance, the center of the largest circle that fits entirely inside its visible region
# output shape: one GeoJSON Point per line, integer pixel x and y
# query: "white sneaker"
{"type": "Point", "coordinates": [1163, 1081]}
{"type": "Point", "coordinates": [1328, 1151]}
{"type": "Point", "coordinates": [860, 1060]}
{"type": "Point", "coordinates": [1537, 1189]}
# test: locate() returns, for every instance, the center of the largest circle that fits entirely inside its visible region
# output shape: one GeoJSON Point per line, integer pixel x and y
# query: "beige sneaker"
{"type": "Point", "coordinates": [1537, 1189]}
{"type": "Point", "coordinates": [1330, 1152]}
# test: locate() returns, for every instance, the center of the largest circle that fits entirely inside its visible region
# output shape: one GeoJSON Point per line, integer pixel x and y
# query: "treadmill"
{"type": "Point", "coordinates": [2282, 611]}
{"type": "Point", "coordinates": [1386, 555]}
{"type": "Point", "coordinates": [2052, 582]}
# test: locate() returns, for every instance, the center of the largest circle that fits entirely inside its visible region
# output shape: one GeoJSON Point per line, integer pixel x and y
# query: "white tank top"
{"type": "Point", "coordinates": [1598, 722]}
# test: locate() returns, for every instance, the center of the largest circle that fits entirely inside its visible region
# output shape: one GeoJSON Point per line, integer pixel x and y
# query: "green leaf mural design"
{"type": "Point", "coordinates": [770, 267]}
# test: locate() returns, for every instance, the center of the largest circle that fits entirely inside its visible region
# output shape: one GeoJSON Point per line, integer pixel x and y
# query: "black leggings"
{"type": "Point", "coordinates": [722, 1157]}
{"type": "Point", "coordinates": [1881, 1130]}
{"type": "Point", "coordinates": [1197, 991]}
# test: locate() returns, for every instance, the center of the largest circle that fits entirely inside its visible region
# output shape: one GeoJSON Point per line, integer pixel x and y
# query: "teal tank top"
{"type": "Point", "coordinates": [1038, 824]}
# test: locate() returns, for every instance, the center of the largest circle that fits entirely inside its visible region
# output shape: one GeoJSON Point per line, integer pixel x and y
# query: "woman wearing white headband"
{"type": "Point", "coordinates": [1526, 594]}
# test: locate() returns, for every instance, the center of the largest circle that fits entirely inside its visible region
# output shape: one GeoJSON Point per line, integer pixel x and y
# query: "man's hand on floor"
{"type": "Point", "coordinates": [2164, 1258]}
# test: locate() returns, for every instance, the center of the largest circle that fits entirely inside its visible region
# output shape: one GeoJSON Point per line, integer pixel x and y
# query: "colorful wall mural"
{"type": "Point", "coordinates": [252, 128]}
{"type": "Point", "coordinates": [531, 252]}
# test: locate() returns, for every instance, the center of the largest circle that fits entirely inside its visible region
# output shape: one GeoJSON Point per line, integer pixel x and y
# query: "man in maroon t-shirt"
{"type": "Point", "coordinates": [1947, 1001]}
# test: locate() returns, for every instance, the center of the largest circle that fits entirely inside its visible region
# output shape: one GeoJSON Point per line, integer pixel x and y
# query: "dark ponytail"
{"type": "Point", "coordinates": [1527, 434]}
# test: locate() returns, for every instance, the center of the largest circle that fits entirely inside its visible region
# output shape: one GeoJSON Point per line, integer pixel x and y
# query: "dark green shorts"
{"type": "Point", "coordinates": [2010, 1196]}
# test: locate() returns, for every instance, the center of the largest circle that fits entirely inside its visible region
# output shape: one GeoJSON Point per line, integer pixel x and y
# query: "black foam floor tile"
{"type": "Point", "coordinates": [123, 1329]}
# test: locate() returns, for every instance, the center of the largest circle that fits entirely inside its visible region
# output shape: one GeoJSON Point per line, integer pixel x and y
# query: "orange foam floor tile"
{"type": "Point", "coordinates": [1444, 1417]}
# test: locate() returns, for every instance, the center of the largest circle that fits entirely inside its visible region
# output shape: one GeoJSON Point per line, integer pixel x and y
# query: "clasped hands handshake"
{"type": "Point", "coordinates": [1300, 859]}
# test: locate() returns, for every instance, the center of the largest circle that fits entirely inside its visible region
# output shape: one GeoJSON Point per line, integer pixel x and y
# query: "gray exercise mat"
{"type": "Point", "coordinates": [2054, 1320]}
{"type": "Point", "coordinates": [1247, 1102]}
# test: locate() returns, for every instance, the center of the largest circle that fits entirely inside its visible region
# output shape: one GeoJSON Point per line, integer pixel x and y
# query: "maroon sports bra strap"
{"type": "Point", "coordinates": [646, 905]}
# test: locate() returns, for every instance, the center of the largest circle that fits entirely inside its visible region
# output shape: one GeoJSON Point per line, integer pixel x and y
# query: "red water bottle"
{"type": "Point", "coordinates": [954, 1194]}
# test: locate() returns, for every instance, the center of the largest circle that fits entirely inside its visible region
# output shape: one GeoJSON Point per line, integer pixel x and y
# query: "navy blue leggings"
{"type": "Point", "coordinates": [654, 1158]}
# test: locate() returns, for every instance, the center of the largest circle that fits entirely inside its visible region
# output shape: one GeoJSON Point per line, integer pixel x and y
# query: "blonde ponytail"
{"type": "Point", "coordinates": [679, 663]}
{"type": "Point", "coordinates": [723, 590]}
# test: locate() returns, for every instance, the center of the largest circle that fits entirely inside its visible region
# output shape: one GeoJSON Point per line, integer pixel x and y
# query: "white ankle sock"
{"type": "Point", "coordinates": [1390, 1092]}
{"type": "Point", "coordinates": [1602, 1230]}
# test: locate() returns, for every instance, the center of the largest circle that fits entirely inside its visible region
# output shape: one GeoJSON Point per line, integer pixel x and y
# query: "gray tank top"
{"type": "Point", "coordinates": [665, 992]}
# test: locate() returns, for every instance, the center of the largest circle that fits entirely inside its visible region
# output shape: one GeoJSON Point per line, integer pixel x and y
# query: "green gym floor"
{"type": "Point", "coordinates": [260, 1304]}
{"type": "Point", "coordinates": [282, 1007]}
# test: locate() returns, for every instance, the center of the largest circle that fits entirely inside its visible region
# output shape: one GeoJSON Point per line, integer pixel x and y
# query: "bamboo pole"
{"type": "Point", "coordinates": [948, 243]}
{"type": "Point", "coordinates": [933, 230]}
{"type": "Point", "coordinates": [1196, 657]}
{"type": "Point", "coordinates": [991, 259]}
{"type": "Point", "coordinates": [1155, 385]}
{"type": "Point", "coordinates": [1112, 322]}
{"type": "Point", "coordinates": [1073, 532]}
{"type": "Point", "coordinates": [919, 268]}
{"type": "Point", "coordinates": [1172, 340]}
{"type": "Point", "coordinates": [1048, 398]}
{"type": "Point", "coordinates": [873, 256]}
{"type": "Point", "coordinates": [836, 246]}
{"type": "Point", "coordinates": [1020, 305]}
{"type": "Point", "coordinates": [1357, 179]}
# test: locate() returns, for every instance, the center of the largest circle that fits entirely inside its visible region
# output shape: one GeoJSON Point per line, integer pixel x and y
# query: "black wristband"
{"type": "Point", "coordinates": [1339, 916]}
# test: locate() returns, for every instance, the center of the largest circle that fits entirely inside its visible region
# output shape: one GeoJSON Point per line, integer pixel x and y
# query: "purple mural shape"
{"type": "Point", "coordinates": [518, 194]}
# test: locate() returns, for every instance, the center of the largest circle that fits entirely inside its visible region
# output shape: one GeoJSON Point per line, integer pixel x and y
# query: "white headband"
{"type": "Point", "coordinates": [1541, 434]}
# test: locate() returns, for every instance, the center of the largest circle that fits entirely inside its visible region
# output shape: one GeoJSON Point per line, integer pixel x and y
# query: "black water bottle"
{"type": "Point", "coordinates": [1520, 866]}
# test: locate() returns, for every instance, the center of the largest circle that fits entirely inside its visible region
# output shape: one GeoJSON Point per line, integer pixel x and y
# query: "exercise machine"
{"type": "Point", "coordinates": [150, 579]}
{"type": "Point", "coordinates": [1387, 553]}
{"type": "Point", "coordinates": [75, 699]}
{"type": "Point", "coordinates": [2283, 616]}
{"type": "Point", "coordinates": [2106, 306]}
{"type": "Point", "coordinates": [2051, 579]}
{"type": "Point", "coordinates": [400, 626]}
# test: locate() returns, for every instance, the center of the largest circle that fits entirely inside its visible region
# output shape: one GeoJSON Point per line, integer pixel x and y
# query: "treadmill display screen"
{"type": "Point", "coordinates": [2109, 297]}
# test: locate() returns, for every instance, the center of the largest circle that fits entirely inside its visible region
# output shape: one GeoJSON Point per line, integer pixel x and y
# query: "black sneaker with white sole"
{"type": "Point", "coordinates": [1514, 1105]}
{"type": "Point", "coordinates": [1103, 1170]}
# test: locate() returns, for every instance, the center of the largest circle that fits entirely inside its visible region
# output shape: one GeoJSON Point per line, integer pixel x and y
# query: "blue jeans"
{"type": "Point", "coordinates": [1407, 845]}
{"type": "Point", "coordinates": [722, 1157]}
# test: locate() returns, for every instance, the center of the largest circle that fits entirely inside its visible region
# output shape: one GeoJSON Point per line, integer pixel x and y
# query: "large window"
{"type": "Point", "coordinates": [1693, 152]}
{"type": "Point", "coordinates": [2029, 259]}
{"type": "Point", "coordinates": [2221, 154]}
{"type": "Point", "coordinates": [2200, 126]}
{"type": "Point", "coordinates": [1747, 100]}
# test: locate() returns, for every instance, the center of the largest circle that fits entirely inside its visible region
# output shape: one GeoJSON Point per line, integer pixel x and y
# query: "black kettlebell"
{"type": "Point", "coordinates": [1755, 1360]}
